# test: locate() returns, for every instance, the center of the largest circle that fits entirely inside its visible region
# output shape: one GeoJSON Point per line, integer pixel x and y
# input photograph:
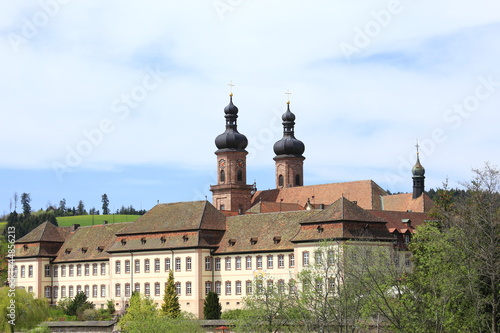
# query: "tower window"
{"type": "Point", "coordinates": [280, 180]}
{"type": "Point", "coordinates": [239, 175]}
{"type": "Point", "coordinates": [222, 176]}
{"type": "Point", "coordinates": [297, 180]}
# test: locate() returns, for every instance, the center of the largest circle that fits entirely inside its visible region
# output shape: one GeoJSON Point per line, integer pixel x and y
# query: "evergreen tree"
{"type": "Point", "coordinates": [212, 308]}
{"type": "Point", "coordinates": [25, 202]}
{"type": "Point", "coordinates": [171, 307]}
{"type": "Point", "coordinates": [105, 204]}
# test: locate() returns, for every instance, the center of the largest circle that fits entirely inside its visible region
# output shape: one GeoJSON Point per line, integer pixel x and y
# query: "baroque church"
{"type": "Point", "coordinates": [221, 246]}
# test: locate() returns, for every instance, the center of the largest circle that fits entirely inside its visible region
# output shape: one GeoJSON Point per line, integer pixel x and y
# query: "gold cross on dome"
{"type": "Point", "coordinates": [231, 85]}
{"type": "Point", "coordinates": [417, 146]}
{"type": "Point", "coordinates": [288, 93]}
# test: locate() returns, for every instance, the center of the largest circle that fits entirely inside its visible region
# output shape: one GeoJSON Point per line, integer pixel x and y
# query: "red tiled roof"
{"type": "Point", "coordinates": [394, 219]}
{"type": "Point", "coordinates": [274, 207]}
{"type": "Point", "coordinates": [405, 202]}
{"type": "Point", "coordinates": [366, 192]}
{"type": "Point", "coordinates": [343, 210]}
{"type": "Point", "coordinates": [45, 232]}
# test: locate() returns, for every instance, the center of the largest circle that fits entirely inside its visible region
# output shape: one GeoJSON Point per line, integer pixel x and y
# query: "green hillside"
{"type": "Point", "coordinates": [83, 220]}
{"type": "Point", "coordinates": [2, 226]}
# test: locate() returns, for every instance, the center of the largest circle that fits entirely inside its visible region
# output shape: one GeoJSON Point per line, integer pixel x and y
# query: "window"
{"type": "Point", "coordinates": [23, 271]}
{"type": "Point", "coordinates": [157, 289]}
{"type": "Point", "coordinates": [228, 287]}
{"type": "Point", "coordinates": [103, 269]}
{"type": "Point", "coordinates": [146, 265]}
{"type": "Point", "coordinates": [118, 291]}
{"type": "Point", "coordinates": [15, 271]}
{"type": "Point", "coordinates": [297, 180]}
{"type": "Point", "coordinates": [103, 290]}
{"type": "Point", "coordinates": [30, 271]}
{"type": "Point", "coordinates": [177, 264]}
{"type": "Point", "coordinates": [259, 262]}
{"type": "Point", "coordinates": [222, 207]}
{"type": "Point", "coordinates": [56, 291]}
{"type": "Point", "coordinates": [87, 291]}
{"type": "Point", "coordinates": [239, 175]}
{"type": "Point", "coordinates": [87, 269]}
{"type": "Point", "coordinates": [305, 258]}
{"type": "Point", "coordinates": [127, 266]}
{"type": "Point", "coordinates": [396, 259]}
{"type": "Point", "coordinates": [238, 287]}
{"type": "Point", "coordinates": [30, 289]}
{"type": "Point", "coordinates": [47, 291]}
{"type": "Point", "coordinates": [71, 270]}
{"type": "Point", "coordinates": [137, 287]}
{"type": "Point", "coordinates": [228, 264]}
{"type": "Point", "coordinates": [331, 284]}
{"type": "Point", "coordinates": [188, 263]}
{"type": "Point", "coordinates": [70, 291]}
{"type": "Point", "coordinates": [222, 176]}
{"type": "Point", "coordinates": [208, 287]}
{"type": "Point", "coordinates": [217, 287]}
{"type": "Point", "coordinates": [78, 289]}
{"type": "Point", "coordinates": [281, 286]}
{"type": "Point", "coordinates": [407, 239]}
{"type": "Point", "coordinates": [167, 264]}
{"type": "Point", "coordinates": [147, 289]}
{"type": "Point", "coordinates": [79, 270]}
{"type": "Point", "coordinates": [208, 263]}
{"type": "Point", "coordinates": [281, 261]}
{"type": "Point", "coordinates": [127, 289]}
{"type": "Point", "coordinates": [238, 263]}
{"type": "Point", "coordinates": [178, 288]}
{"type": "Point", "coordinates": [270, 284]}
{"type": "Point", "coordinates": [270, 259]}
{"type": "Point", "coordinates": [118, 267]}
{"type": "Point", "coordinates": [331, 258]}
{"type": "Point", "coordinates": [280, 180]}
{"type": "Point", "coordinates": [47, 270]}
{"type": "Point", "coordinates": [291, 260]}
{"type": "Point", "coordinates": [217, 264]}
{"type": "Point", "coordinates": [63, 291]}
{"type": "Point", "coordinates": [319, 285]}
{"type": "Point", "coordinates": [94, 290]}
{"type": "Point", "coordinates": [157, 265]}
{"type": "Point", "coordinates": [188, 288]}
{"type": "Point", "coordinates": [56, 270]}
{"type": "Point", "coordinates": [94, 269]}
{"type": "Point", "coordinates": [248, 287]}
{"type": "Point", "coordinates": [249, 262]}
{"type": "Point", "coordinates": [317, 258]}
{"type": "Point", "coordinates": [137, 265]}
{"type": "Point", "coordinates": [407, 260]}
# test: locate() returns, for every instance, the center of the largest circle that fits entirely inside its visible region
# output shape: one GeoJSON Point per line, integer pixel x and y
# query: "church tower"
{"type": "Point", "coordinates": [231, 192]}
{"type": "Point", "coordinates": [418, 172]}
{"type": "Point", "coordinates": [289, 159]}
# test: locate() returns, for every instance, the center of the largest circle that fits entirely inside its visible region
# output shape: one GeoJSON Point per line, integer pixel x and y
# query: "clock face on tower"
{"type": "Point", "coordinates": [240, 164]}
{"type": "Point", "coordinates": [222, 164]}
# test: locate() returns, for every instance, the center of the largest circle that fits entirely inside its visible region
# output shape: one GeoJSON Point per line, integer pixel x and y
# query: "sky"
{"type": "Point", "coordinates": [127, 97]}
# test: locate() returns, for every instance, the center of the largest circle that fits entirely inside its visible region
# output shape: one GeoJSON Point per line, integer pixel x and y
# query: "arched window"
{"type": "Point", "coordinates": [222, 176]}
{"type": "Point", "coordinates": [297, 180]}
{"type": "Point", "coordinates": [239, 175]}
{"type": "Point", "coordinates": [280, 180]}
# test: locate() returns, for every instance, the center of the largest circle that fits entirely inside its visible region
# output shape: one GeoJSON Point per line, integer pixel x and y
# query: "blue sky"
{"type": "Point", "coordinates": [126, 98]}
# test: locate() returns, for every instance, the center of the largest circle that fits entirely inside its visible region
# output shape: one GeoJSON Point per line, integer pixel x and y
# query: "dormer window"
{"type": "Point", "coordinates": [407, 239]}
{"type": "Point", "coordinates": [67, 251]}
{"type": "Point", "coordinates": [231, 242]}
{"type": "Point", "coordinates": [320, 229]}
{"type": "Point", "coordinates": [407, 222]}
{"type": "Point", "coordinates": [163, 239]}
{"type": "Point", "coordinates": [253, 240]}
{"type": "Point", "coordinates": [277, 239]}
{"type": "Point", "coordinates": [143, 240]}
{"type": "Point", "coordinates": [100, 249]}
{"type": "Point", "coordinates": [25, 247]}
{"type": "Point", "coordinates": [124, 242]}
{"type": "Point", "coordinates": [84, 249]}
{"type": "Point", "coordinates": [185, 238]}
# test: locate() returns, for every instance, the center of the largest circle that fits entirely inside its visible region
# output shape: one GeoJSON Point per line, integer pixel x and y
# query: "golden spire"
{"type": "Point", "coordinates": [231, 85]}
{"type": "Point", "coordinates": [288, 93]}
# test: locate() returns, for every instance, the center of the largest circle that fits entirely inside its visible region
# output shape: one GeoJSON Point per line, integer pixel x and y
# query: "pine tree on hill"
{"type": "Point", "coordinates": [171, 307]}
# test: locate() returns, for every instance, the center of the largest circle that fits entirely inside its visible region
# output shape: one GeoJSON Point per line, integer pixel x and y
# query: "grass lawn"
{"type": "Point", "coordinates": [2, 226]}
{"type": "Point", "coordinates": [83, 220]}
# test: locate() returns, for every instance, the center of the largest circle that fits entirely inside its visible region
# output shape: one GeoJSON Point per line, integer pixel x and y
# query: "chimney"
{"type": "Point", "coordinates": [75, 226]}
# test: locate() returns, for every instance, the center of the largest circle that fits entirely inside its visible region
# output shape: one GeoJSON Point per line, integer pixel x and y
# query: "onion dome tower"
{"type": "Point", "coordinates": [289, 160]}
{"type": "Point", "coordinates": [418, 172]}
{"type": "Point", "coordinates": [231, 192]}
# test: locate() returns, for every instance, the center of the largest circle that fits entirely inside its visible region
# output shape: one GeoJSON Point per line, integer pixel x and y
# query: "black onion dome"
{"type": "Point", "coordinates": [231, 139]}
{"type": "Point", "coordinates": [289, 145]}
{"type": "Point", "coordinates": [418, 170]}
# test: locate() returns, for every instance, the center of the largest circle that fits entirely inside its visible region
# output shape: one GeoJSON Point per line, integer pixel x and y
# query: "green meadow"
{"type": "Point", "coordinates": [83, 220]}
